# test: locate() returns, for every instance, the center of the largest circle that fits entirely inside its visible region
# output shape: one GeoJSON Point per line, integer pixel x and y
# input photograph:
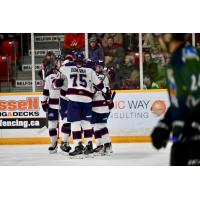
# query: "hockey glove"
{"type": "Point", "coordinates": [108, 93]}
{"type": "Point", "coordinates": [45, 105]}
{"type": "Point", "coordinates": [192, 126]}
{"type": "Point", "coordinates": [160, 135]}
{"type": "Point", "coordinates": [59, 82]}
{"type": "Point", "coordinates": [161, 132]}
{"type": "Point", "coordinates": [110, 105]}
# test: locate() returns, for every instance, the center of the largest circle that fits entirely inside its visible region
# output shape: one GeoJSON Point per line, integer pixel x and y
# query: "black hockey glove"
{"type": "Point", "coordinates": [45, 105]}
{"type": "Point", "coordinates": [161, 132]}
{"type": "Point", "coordinates": [192, 126]}
{"type": "Point", "coordinates": [59, 82]}
{"type": "Point", "coordinates": [108, 94]}
{"type": "Point", "coordinates": [160, 135]}
{"type": "Point", "coordinates": [110, 105]}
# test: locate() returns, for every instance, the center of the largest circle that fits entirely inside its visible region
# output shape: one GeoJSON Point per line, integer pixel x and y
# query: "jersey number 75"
{"type": "Point", "coordinates": [80, 78]}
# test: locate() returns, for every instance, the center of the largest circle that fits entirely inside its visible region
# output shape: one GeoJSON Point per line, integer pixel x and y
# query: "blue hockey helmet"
{"type": "Point", "coordinates": [90, 63]}
{"type": "Point", "coordinates": [59, 57]}
{"type": "Point", "coordinates": [100, 63]}
{"type": "Point", "coordinates": [58, 60]}
{"type": "Point", "coordinates": [99, 67]}
{"type": "Point", "coordinates": [78, 57]}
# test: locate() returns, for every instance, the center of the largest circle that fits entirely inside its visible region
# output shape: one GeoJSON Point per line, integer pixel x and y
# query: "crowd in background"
{"type": "Point", "coordinates": [120, 52]}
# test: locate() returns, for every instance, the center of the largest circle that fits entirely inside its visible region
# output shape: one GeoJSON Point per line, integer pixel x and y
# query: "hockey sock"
{"type": "Point", "coordinates": [97, 136]}
{"type": "Point", "coordinates": [53, 135]}
{"type": "Point", "coordinates": [88, 135]}
{"type": "Point", "coordinates": [105, 135]}
{"type": "Point", "coordinates": [77, 137]}
{"type": "Point", "coordinates": [66, 131]}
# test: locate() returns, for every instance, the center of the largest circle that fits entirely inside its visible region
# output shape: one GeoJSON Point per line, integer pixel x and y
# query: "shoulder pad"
{"type": "Point", "coordinates": [69, 64]}
{"type": "Point", "coordinates": [189, 52]}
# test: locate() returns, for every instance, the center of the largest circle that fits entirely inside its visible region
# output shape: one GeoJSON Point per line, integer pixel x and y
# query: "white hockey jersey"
{"type": "Point", "coordinates": [99, 104]}
{"type": "Point", "coordinates": [63, 89]}
{"type": "Point", "coordinates": [80, 83]}
{"type": "Point", "coordinates": [50, 93]}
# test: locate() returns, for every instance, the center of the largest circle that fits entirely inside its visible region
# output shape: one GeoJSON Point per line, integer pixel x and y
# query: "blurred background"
{"type": "Point", "coordinates": [132, 60]}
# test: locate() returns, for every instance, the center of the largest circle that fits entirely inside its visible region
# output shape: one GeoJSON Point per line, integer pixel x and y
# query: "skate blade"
{"type": "Point", "coordinates": [99, 154]}
{"type": "Point", "coordinates": [53, 152]}
{"type": "Point", "coordinates": [81, 156]}
{"type": "Point", "coordinates": [63, 153]}
{"type": "Point", "coordinates": [107, 153]}
{"type": "Point", "coordinates": [91, 155]}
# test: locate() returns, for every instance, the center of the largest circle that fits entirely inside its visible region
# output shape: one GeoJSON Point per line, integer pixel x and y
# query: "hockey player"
{"type": "Point", "coordinates": [50, 104]}
{"type": "Point", "coordinates": [80, 92]}
{"type": "Point", "coordinates": [100, 112]}
{"type": "Point", "coordinates": [61, 82]}
{"type": "Point", "coordinates": [182, 117]}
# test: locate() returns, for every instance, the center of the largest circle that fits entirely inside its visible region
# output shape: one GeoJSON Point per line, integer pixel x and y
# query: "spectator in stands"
{"type": "Point", "coordinates": [135, 72]}
{"type": "Point", "coordinates": [73, 42]}
{"type": "Point", "coordinates": [149, 40]}
{"type": "Point", "coordinates": [148, 83]}
{"type": "Point", "coordinates": [117, 39]}
{"type": "Point", "coordinates": [114, 50]}
{"type": "Point", "coordinates": [111, 69]}
{"type": "Point", "coordinates": [149, 66]}
{"type": "Point", "coordinates": [130, 42]}
{"type": "Point", "coordinates": [156, 72]}
{"type": "Point", "coordinates": [198, 47]}
{"type": "Point", "coordinates": [129, 74]}
{"type": "Point", "coordinates": [98, 36]}
{"type": "Point", "coordinates": [95, 51]}
{"type": "Point", "coordinates": [157, 57]}
{"type": "Point", "coordinates": [47, 64]}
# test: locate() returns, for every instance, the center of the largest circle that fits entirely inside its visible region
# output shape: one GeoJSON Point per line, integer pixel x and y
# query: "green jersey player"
{"type": "Point", "coordinates": [181, 119]}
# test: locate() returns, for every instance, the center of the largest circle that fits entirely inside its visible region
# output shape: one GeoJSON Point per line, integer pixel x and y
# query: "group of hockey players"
{"type": "Point", "coordinates": [77, 89]}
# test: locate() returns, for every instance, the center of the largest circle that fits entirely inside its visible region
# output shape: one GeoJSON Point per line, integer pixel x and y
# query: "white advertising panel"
{"type": "Point", "coordinates": [135, 113]}
{"type": "Point", "coordinates": [21, 115]}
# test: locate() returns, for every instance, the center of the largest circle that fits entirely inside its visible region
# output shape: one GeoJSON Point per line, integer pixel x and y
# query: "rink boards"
{"type": "Point", "coordinates": [135, 114]}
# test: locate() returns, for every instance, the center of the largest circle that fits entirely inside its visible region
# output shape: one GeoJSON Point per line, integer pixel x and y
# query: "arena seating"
{"type": "Point", "coordinates": [7, 49]}
{"type": "Point", "coordinates": [6, 74]}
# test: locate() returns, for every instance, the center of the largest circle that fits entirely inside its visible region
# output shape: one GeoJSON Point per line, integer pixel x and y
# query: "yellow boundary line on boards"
{"type": "Point", "coordinates": [117, 91]}
{"type": "Point", "coordinates": [46, 140]}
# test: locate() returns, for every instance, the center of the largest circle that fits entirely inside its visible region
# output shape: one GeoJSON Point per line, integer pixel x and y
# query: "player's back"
{"type": "Point", "coordinates": [80, 82]}
{"type": "Point", "coordinates": [54, 93]}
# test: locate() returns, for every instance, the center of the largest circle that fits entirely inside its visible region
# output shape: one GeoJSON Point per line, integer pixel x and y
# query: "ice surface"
{"type": "Point", "coordinates": [129, 154]}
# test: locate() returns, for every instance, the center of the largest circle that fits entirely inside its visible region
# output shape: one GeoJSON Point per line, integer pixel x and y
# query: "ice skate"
{"type": "Point", "coordinates": [108, 148]}
{"type": "Point", "coordinates": [88, 151]}
{"type": "Point", "coordinates": [78, 152]}
{"type": "Point", "coordinates": [99, 150]}
{"type": "Point", "coordinates": [65, 148]}
{"type": "Point", "coordinates": [53, 148]}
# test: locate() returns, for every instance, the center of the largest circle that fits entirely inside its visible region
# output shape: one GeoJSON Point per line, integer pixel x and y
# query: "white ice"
{"type": "Point", "coordinates": [129, 154]}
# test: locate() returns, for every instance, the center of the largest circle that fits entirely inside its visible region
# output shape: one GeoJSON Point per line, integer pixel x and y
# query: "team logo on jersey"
{"type": "Point", "coordinates": [51, 115]}
{"type": "Point", "coordinates": [158, 107]}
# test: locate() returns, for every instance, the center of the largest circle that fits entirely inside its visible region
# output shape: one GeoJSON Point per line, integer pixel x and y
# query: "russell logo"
{"type": "Point", "coordinates": [158, 107]}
